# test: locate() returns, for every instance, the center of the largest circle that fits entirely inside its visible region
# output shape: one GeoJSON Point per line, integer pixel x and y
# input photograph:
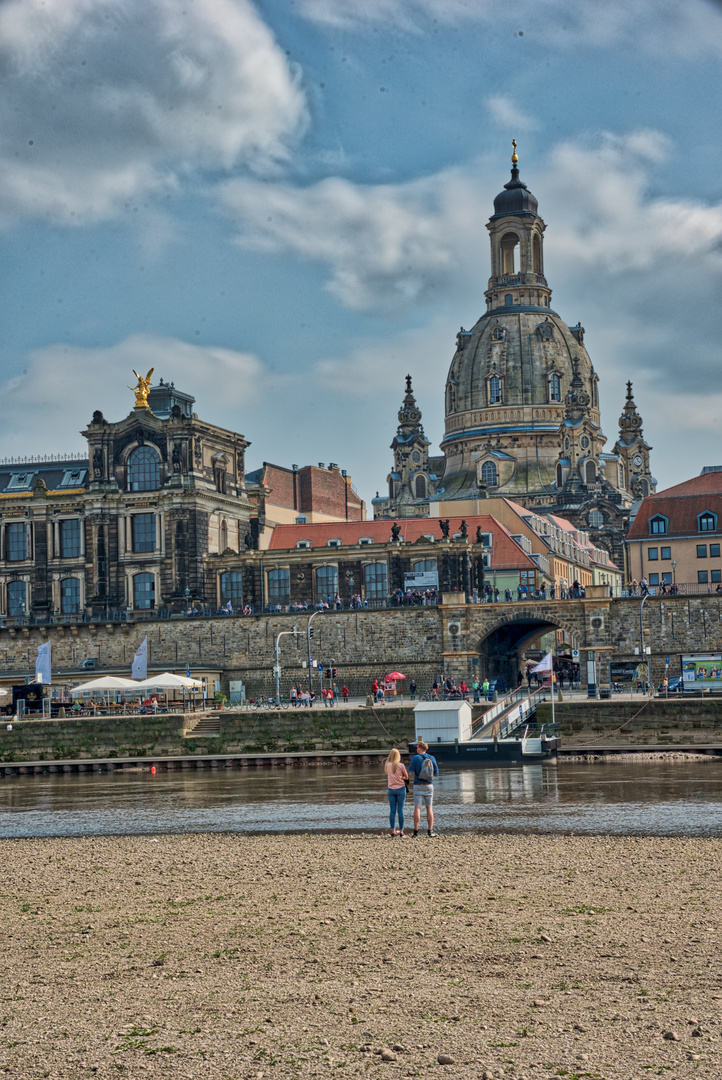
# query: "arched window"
{"type": "Point", "coordinates": [326, 582]}
{"type": "Point", "coordinates": [555, 388]}
{"type": "Point", "coordinates": [509, 300]}
{"type": "Point", "coordinates": [232, 588]}
{"type": "Point", "coordinates": [498, 333]}
{"type": "Point", "coordinates": [489, 474]}
{"type": "Point", "coordinates": [560, 476]}
{"type": "Point", "coordinates": [17, 598]}
{"type": "Point", "coordinates": [70, 596]}
{"type": "Point", "coordinates": [595, 519]}
{"type": "Point", "coordinates": [420, 486]}
{"type": "Point", "coordinates": [536, 255]}
{"type": "Point", "coordinates": [590, 473]}
{"type": "Point", "coordinates": [620, 475]}
{"type": "Point", "coordinates": [391, 489]}
{"type": "Point", "coordinates": [144, 591]}
{"type": "Point", "coordinates": [494, 390]}
{"type": "Point", "coordinates": [144, 469]}
{"type": "Point", "coordinates": [223, 536]}
{"type": "Point", "coordinates": [509, 242]}
{"type": "Point", "coordinates": [279, 586]}
{"type": "Point", "coordinates": [658, 525]}
{"type": "Point", "coordinates": [707, 522]}
{"type": "Point", "coordinates": [425, 566]}
{"type": "Point", "coordinates": [375, 581]}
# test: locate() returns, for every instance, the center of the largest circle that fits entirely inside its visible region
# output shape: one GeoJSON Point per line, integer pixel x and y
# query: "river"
{"type": "Point", "coordinates": [623, 798]}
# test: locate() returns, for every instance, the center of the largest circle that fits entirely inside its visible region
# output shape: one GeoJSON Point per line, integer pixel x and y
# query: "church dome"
{"type": "Point", "coordinates": [515, 198]}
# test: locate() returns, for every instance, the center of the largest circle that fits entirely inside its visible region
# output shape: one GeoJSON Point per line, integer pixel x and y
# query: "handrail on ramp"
{"type": "Point", "coordinates": [509, 714]}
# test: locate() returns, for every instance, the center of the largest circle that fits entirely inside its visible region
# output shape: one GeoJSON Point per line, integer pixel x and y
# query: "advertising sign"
{"type": "Point", "coordinates": [702, 671]}
{"type": "Point", "coordinates": [627, 671]}
{"type": "Point", "coordinates": [429, 579]}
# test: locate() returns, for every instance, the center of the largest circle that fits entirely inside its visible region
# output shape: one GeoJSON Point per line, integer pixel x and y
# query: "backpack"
{"type": "Point", "coordinates": [426, 772]}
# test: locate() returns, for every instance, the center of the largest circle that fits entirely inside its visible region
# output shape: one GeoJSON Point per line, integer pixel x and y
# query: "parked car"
{"type": "Point", "coordinates": [674, 686]}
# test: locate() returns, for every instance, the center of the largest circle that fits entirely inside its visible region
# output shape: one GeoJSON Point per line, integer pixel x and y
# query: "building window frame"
{"type": "Point", "coordinates": [376, 581]}
{"type": "Point", "coordinates": [665, 553]}
{"type": "Point", "coordinates": [70, 596]}
{"type": "Point", "coordinates": [142, 533]}
{"type": "Point", "coordinates": [143, 591]}
{"type": "Point", "coordinates": [658, 525]}
{"type": "Point", "coordinates": [707, 522]}
{"type": "Point", "coordinates": [702, 577]}
{"type": "Point", "coordinates": [555, 387]}
{"type": "Point", "coordinates": [230, 587]}
{"type": "Point", "coordinates": [69, 538]}
{"type": "Point", "coordinates": [16, 541]}
{"type": "Point", "coordinates": [16, 597]}
{"type": "Point", "coordinates": [494, 388]}
{"type": "Point", "coordinates": [328, 573]}
{"type": "Point", "coordinates": [714, 551]}
{"type": "Point", "coordinates": [490, 474]}
{"type": "Point", "coordinates": [143, 468]}
{"type": "Point", "coordinates": [701, 551]}
{"type": "Point", "coordinates": [278, 586]}
{"type": "Point", "coordinates": [652, 554]}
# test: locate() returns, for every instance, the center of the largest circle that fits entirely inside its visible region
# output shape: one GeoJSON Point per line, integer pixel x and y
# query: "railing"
{"type": "Point", "coordinates": [493, 722]}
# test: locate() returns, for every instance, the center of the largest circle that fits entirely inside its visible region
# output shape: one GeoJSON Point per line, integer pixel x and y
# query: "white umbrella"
{"type": "Point", "coordinates": [169, 681]}
{"type": "Point", "coordinates": [106, 682]}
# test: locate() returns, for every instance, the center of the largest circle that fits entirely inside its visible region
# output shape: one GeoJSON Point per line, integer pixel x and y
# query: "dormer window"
{"type": "Point", "coordinates": [334, 543]}
{"type": "Point", "coordinates": [20, 481]}
{"type": "Point", "coordinates": [302, 519]}
{"type": "Point", "coordinates": [365, 540]}
{"type": "Point", "coordinates": [555, 388]}
{"type": "Point", "coordinates": [73, 478]}
{"type": "Point", "coordinates": [489, 474]}
{"type": "Point", "coordinates": [497, 333]}
{"type": "Point", "coordinates": [494, 390]}
{"type": "Point", "coordinates": [707, 522]}
{"type": "Point", "coordinates": [658, 525]}
{"type": "Point", "coordinates": [303, 544]}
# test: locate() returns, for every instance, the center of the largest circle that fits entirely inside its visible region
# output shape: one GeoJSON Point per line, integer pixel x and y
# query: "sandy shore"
{"type": "Point", "coordinates": [233, 957]}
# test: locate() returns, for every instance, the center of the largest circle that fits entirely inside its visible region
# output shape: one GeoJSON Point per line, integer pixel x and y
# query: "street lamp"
{"type": "Point", "coordinates": [277, 666]}
{"type": "Point", "coordinates": [674, 572]}
{"type": "Point", "coordinates": [187, 594]}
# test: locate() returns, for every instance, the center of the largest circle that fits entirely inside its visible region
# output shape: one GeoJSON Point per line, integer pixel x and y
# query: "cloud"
{"type": "Point", "coordinates": [65, 384]}
{"type": "Point", "coordinates": [692, 29]}
{"type": "Point", "coordinates": [386, 246]}
{"type": "Point", "coordinates": [109, 100]}
{"type": "Point", "coordinates": [503, 112]}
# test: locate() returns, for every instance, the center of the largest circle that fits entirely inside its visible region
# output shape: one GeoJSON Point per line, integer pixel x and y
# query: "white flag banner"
{"type": "Point", "coordinates": [140, 661]}
{"type": "Point", "coordinates": [543, 665]}
{"type": "Point", "coordinates": [42, 664]}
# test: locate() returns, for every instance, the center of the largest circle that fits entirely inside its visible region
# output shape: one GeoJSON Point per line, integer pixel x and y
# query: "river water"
{"type": "Point", "coordinates": [674, 798]}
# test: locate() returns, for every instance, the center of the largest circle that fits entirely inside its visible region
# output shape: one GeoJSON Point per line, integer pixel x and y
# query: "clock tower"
{"type": "Point", "coordinates": [413, 479]}
{"type": "Point", "coordinates": [633, 451]}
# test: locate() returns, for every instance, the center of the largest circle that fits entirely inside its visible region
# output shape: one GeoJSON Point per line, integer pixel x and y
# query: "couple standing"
{"type": "Point", "coordinates": [423, 768]}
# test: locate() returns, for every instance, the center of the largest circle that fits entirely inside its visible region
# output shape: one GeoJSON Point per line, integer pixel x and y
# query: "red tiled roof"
{"type": "Point", "coordinates": [681, 512]}
{"type": "Point", "coordinates": [706, 484]}
{"type": "Point", "coordinates": [505, 552]}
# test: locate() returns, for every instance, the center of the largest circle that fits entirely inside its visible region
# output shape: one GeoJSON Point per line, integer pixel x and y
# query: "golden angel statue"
{"type": "Point", "coordinates": [141, 389]}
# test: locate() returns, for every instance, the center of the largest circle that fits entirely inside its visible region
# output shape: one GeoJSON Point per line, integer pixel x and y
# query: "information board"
{"type": "Point", "coordinates": [702, 671]}
{"type": "Point", "coordinates": [429, 579]}
{"type": "Point", "coordinates": [626, 670]}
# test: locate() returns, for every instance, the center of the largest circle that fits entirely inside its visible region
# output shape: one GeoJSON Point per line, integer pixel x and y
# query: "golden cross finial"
{"type": "Point", "coordinates": [514, 157]}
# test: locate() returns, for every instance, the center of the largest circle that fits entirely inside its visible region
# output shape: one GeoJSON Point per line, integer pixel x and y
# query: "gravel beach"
{"type": "Point", "coordinates": [219, 956]}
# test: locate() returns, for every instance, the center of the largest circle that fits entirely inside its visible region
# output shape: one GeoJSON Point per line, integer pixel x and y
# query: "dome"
{"type": "Point", "coordinates": [515, 198]}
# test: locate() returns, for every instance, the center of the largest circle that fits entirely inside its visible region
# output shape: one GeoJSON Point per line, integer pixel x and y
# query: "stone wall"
{"type": "Point", "coordinates": [421, 642]}
{"type": "Point", "coordinates": [638, 722]}
{"type": "Point", "coordinates": [246, 732]}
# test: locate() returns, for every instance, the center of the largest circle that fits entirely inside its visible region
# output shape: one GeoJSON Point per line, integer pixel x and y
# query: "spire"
{"type": "Point", "coordinates": [409, 413]}
{"type": "Point", "coordinates": [630, 422]}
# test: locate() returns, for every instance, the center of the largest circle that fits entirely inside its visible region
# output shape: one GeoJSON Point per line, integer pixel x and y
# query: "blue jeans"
{"type": "Point", "coordinates": [397, 798]}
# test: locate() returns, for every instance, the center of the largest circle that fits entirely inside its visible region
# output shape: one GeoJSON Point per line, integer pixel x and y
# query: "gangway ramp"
{"type": "Point", "coordinates": [513, 711]}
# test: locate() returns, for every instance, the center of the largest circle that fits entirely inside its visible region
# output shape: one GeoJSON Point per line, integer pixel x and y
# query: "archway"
{"type": "Point", "coordinates": [501, 651]}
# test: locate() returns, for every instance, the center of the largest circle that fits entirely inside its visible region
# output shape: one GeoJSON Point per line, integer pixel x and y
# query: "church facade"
{"type": "Point", "coordinates": [522, 415]}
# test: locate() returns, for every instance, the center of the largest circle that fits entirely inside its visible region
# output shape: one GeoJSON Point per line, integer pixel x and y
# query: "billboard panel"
{"type": "Point", "coordinates": [702, 671]}
{"type": "Point", "coordinates": [627, 670]}
{"type": "Point", "coordinates": [428, 580]}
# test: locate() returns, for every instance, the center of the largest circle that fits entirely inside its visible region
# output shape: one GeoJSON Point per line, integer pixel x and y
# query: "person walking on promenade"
{"type": "Point", "coordinates": [380, 696]}
{"type": "Point", "coordinates": [344, 694]}
{"type": "Point", "coordinates": [374, 688]}
{"type": "Point", "coordinates": [423, 768]}
{"type": "Point", "coordinates": [396, 776]}
{"type": "Point", "coordinates": [412, 690]}
{"type": "Point", "coordinates": [485, 688]}
{"type": "Point", "coordinates": [292, 695]}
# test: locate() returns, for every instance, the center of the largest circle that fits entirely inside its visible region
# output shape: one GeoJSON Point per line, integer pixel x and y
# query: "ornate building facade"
{"type": "Point", "coordinates": [522, 400]}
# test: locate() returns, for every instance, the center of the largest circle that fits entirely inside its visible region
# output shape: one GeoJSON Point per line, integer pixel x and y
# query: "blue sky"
{"type": "Point", "coordinates": [282, 208]}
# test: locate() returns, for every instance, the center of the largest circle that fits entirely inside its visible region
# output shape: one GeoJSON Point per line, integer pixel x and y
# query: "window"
{"type": "Point", "coordinates": [590, 473]}
{"type": "Point", "coordinates": [223, 536]}
{"type": "Point", "coordinates": [17, 598]}
{"type": "Point", "coordinates": [16, 542]}
{"type": "Point", "coordinates": [279, 586]}
{"type": "Point", "coordinates": [334, 543]}
{"type": "Point", "coordinates": [701, 551]}
{"type": "Point", "coordinates": [509, 300]}
{"type": "Point", "coordinates": [555, 388]}
{"type": "Point", "coordinates": [144, 469]}
{"type": "Point", "coordinates": [666, 553]}
{"type": "Point", "coordinates": [375, 581]}
{"type": "Point", "coordinates": [509, 242]}
{"type": "Point", "coordinates": [303, 544]}
{"type": "Point", "coordinates": [489, 474]}
{"type": "Point", "coordinates": [707, 523]}
{"type": "Point", "coordinates": [714, 551]}
{"type": "Point", "coordinates": [219, 475]}
{"type": "Point", "coordinates": [420, 486]}
{"type": "Point", "coordinates": [494, 390]}
{"type": "Point", "coordinates": [666, 579]}
{"type": "Point", "coordinates": [654, 579]}
{"type": "Point", "coordinates": [21, 481]}
{"type": "Point", "coordinates": [652, 554]}
{"type": "Point", "coordinates": [596, 520]}
{"type": "Point", "coordinates": [73, 478]}
{"type": "Point", "coordinates": [365, 540]}
{"type": "Point", "coordinates": [658, 525]}
{"type": "Point", "coordinates": [143, 531]}
{"type": "Point", "coordinates": [144, 591]}
{"type": "Point", "coordinates": [620, 475]}
{"type": "Point", "coordinates": [716, 576]}
{"type": "Point", "coordinates": [425, 566]}
{"type": "Point", "coordinates": [302, 519]}
{"type": "Point", "coordinates": [702, 577]}
{"type": "Point", "coordinates": [498, 333]}
{"type": "Point", "coordinates": [70, 539]}
{"type": "Point", "coordinates": [536, 255]}
{"type": "Point", "coordinates": [326, 582]}
{"type": "Point", "coordinates": [70, 596]}
{"type": "Point", "coordinates": [232, 588]}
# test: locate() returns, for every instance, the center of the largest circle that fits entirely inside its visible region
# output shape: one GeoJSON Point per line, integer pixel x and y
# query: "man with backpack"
{"type": "Point", "coordinates": [423, 768]}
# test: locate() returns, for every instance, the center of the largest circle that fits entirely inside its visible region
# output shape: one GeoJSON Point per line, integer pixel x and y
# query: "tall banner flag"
{"type": "Point", "coordinates": [42, 664]}
{"type": "Point", "coordinates": [543, 665]}
{"type": "Point", "coordinates": [140, 661]}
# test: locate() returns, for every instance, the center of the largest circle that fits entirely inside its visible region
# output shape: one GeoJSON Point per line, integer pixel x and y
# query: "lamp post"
{"type": "Point", "coordinates": [309, 635]}
{"type": "Point", "coordinates": [674, 572]}
{"type": "Point", "coordinates": [641, 638]}
{"type": "Point", "coordinates": [187, 594]}
{"type": "Point", "coordinates": [277, 665]}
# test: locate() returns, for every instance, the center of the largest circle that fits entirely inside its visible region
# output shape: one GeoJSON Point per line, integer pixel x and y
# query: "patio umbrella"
{"type": "Point", "coordinates": [169, 681]}
{"type": "Point", "coordinates": [395, 675]}
{"type": "Point", "coordinates": [106, 682]}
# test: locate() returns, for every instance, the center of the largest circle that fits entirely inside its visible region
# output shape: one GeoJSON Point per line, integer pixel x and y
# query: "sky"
{"type": "Point", "coordinates": [281, 208]}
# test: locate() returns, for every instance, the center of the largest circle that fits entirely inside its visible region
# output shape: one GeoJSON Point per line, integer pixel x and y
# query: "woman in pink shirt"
{"type": "Point", "coordinates": [397, 776]}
